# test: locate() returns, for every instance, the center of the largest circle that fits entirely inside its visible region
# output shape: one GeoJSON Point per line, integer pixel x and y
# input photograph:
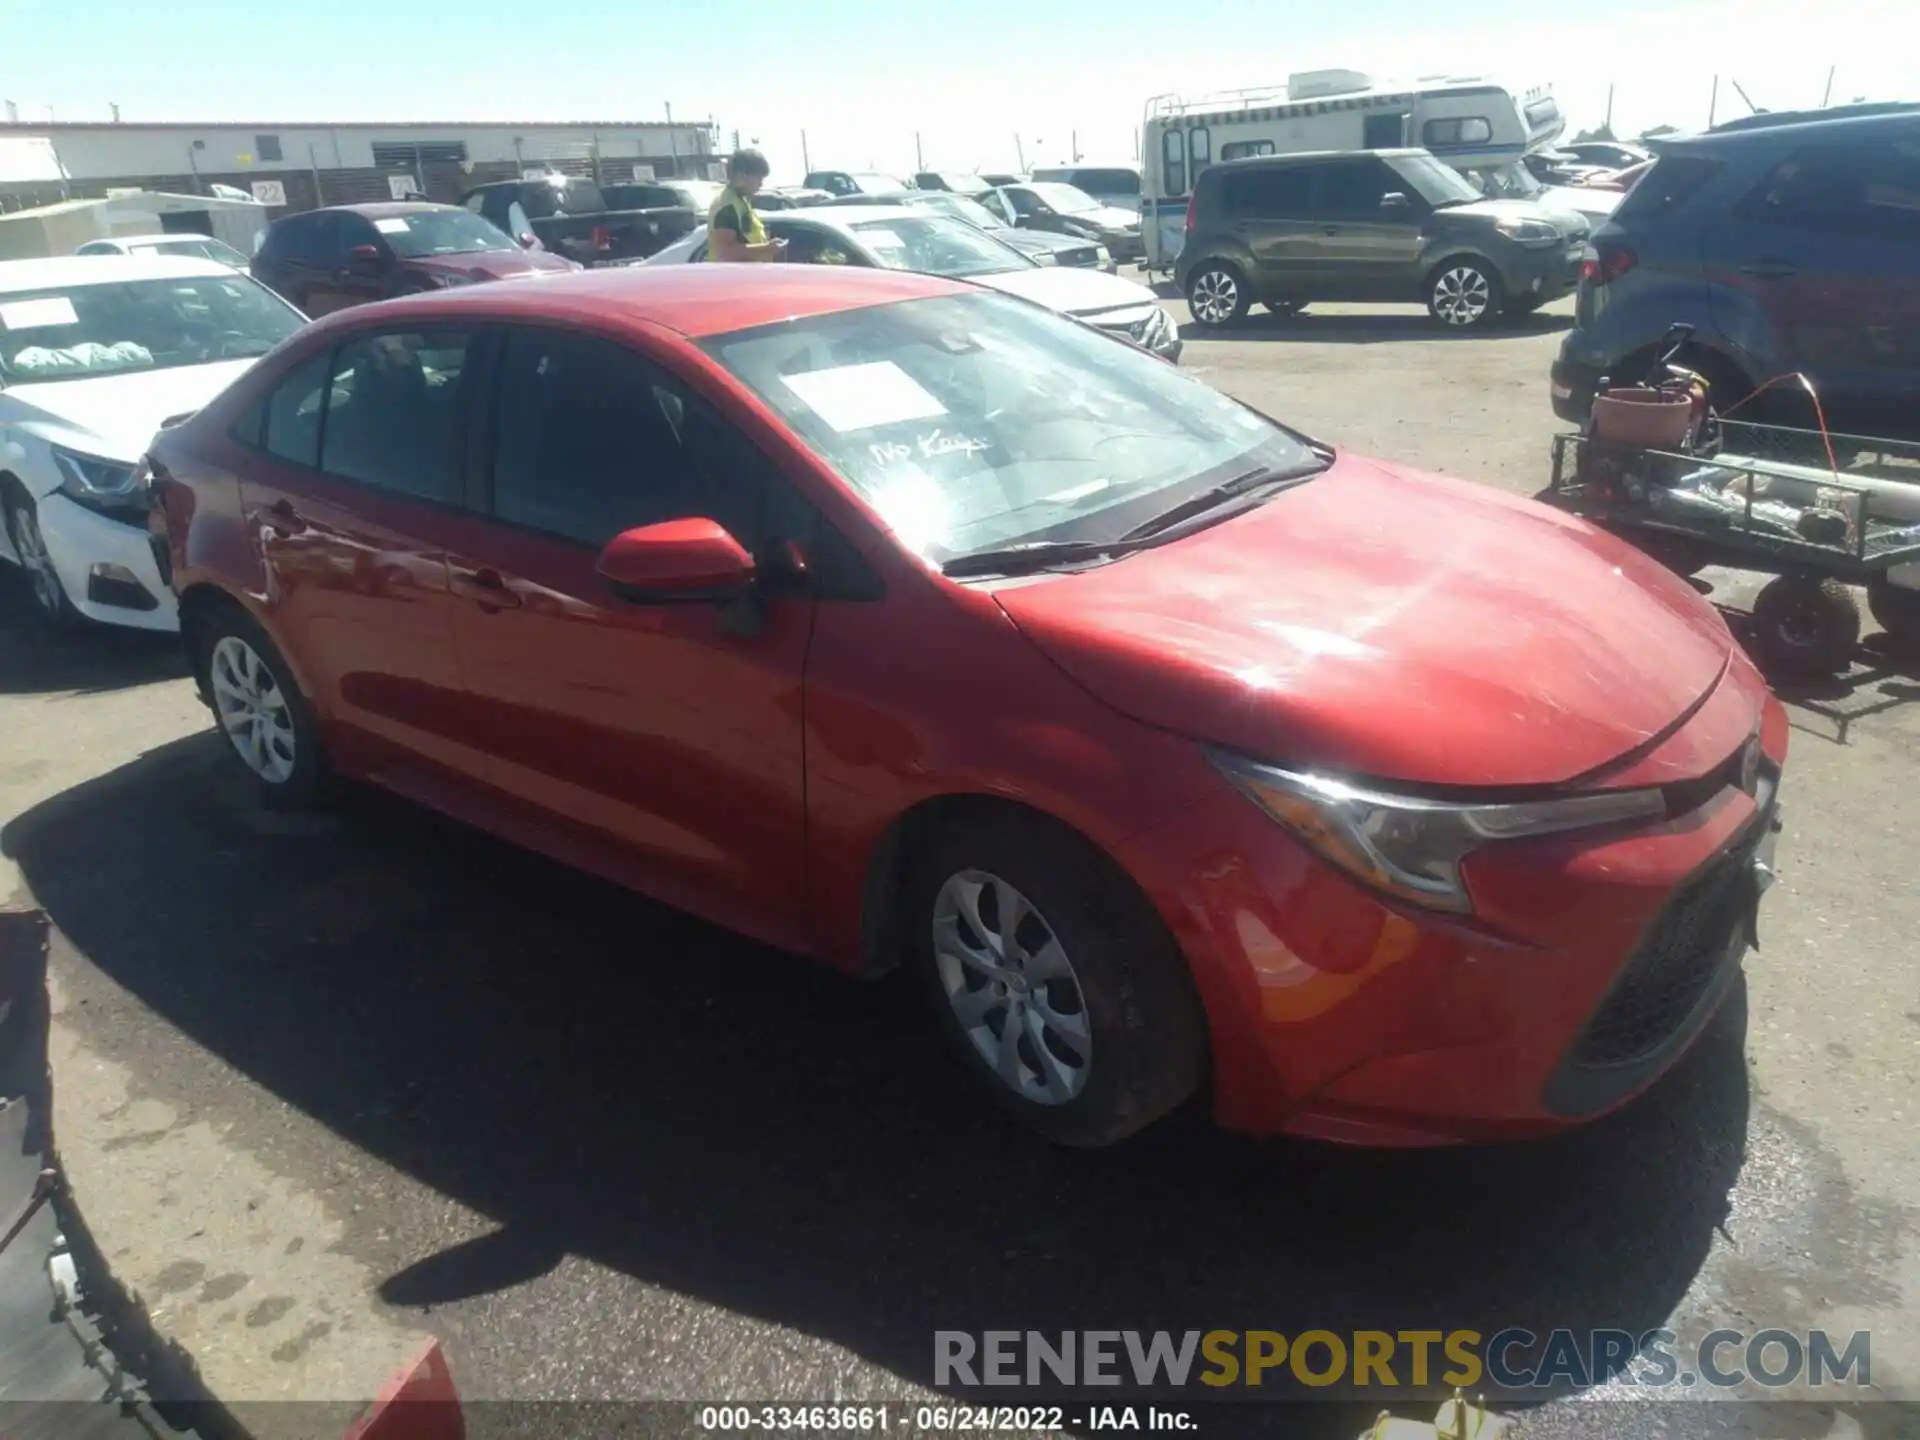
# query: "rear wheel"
{"type": "Point", "coordinates": [1217, 295]}
{"type": "Point", "coordinates": [1464, 294]}
{"type": "Point", "coordinates": [1806, 627]}
{"type": "Point", "coordinates": [1056, 984]}
{"type": "Point", "coordinates": [50, 602]}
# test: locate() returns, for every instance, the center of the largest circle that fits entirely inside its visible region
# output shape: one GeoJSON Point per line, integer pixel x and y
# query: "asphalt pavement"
{"type": "Point", "coordinates": [326, 1086]}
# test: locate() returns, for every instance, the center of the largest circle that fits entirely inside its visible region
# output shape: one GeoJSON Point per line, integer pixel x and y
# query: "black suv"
{"type": "Point", "coordinates": [1788, 247]}
{"type": "Point", "coordinates": [1369, 225]}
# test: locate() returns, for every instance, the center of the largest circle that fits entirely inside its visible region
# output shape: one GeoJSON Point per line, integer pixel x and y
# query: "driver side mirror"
{"type": "Point", "coordinates": [676, 561]}
{"type": "Point", "coordinates": [1395, 203]}
{"type": "Point", "coordinates": [366, 260]}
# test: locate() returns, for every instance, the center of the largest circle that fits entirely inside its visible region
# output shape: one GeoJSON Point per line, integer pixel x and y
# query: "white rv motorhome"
{"type": "Point", "coordinates": [1471, 123]}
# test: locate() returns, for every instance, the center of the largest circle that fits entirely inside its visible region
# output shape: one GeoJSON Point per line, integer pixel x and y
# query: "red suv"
{"type": "Point", "coordinates": [887, 619]}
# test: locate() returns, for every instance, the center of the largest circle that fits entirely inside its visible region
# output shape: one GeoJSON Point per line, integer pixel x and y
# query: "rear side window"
{"type": "Point", "coordinates": [1871, 190]}
{"type": "Point", "coordinates": [1242, 149]}
{"type": "Point", "coordinates": [1282, 193]}
{"type": "Point", "coordinates": [1667, 186]}
{"type": "Point", "coordinates": [391, 409]}
{"type": "Point", "coordinates": [294, 412]}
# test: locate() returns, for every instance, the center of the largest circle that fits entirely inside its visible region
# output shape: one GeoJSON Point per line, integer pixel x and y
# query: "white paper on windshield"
{"type": "Point", "coordinates": [883, 239]}
{"type": "Point", "coordinates": [392, 225]}
{"type": "Point", "coordinates": [858, 397]}
{"type": "Point", "coordinates": [38, 314]}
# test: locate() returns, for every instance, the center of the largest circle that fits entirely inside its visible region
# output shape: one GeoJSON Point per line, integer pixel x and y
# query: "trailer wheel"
{"type": "Point", "coordinates": [1806, 627]}
{"type": "Point", "coordinates": [1897, 609]}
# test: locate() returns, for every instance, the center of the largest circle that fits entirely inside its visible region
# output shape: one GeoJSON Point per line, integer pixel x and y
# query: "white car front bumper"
{"type": "Point", "coordinates": [107, 567]}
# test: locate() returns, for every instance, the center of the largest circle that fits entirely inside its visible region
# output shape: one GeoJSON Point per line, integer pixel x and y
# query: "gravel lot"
{"type": "Point", "coordinates": [325, 1086]}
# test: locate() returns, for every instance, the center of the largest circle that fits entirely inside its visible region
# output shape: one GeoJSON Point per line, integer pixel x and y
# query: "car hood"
{"type": "Point", "coordinates": [1106, 217]}
{"type": "Point", "coordinates": [1071, 291]}
{"type": "Point", "coordinates": [1382, 623]}
{"type": "Point", "coordinates": [1485, 212]}
{"type": "Point", "coordinates": [1042, 242]}
{"type": "Point", "coordinates": [115, 416]}
{"type": "Point", "coordinates": [491, 264]}
{"type": "Point", "coordinates": [1593, 205]}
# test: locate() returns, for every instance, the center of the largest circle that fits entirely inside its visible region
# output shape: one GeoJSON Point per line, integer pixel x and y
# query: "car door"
{"type": "Point", "coordinates": [673, 731]}
{"type": "Point", "coordinates": [366, 267]}
{"type": "Point", "coordinates": [1365, 249]}
{"type": "Point", "coordinates": [289, 260]}
{"type": "Point", "coordinates": [1825, 253]}
{"type": "Point", "coordinates": [319, 266]}
{"type": "Point", "coordinates": [1268, 212]}
{"type": "Point", "coordinates": [356, 479]}
{"type": "Point", "coordinates": [1030, 212]}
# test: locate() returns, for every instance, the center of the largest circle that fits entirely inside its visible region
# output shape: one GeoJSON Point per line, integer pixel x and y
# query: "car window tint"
{"type": "Point", "coordinates": [294, 413]}
{"type": "Point", "coordinates": [1354, 190]}
{"type": "Point", "coordinates": [1871, 189]}
{"type": "Point", "coordinates": [1666, 186]}
{"type": "Point", "coordinates": [591, 440]}
{"type": "Point", "coordinates": [391, 411]}
{"type": "Point", "coordinates": [1275, 194]}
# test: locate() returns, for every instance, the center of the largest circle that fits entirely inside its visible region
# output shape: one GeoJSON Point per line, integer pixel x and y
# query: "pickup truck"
{"type": "Point", "coordinates": [570, 217]}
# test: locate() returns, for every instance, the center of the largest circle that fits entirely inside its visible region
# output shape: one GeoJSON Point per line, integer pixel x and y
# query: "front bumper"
{"type": "Point", "coordinates": [1543, 274]}
{"type": "Point", "coordinates": [1592, 964]}
{"type": "Point", "coordinates": [1155, 331]}
{"type": "Point", "coordinates": [108, 568]}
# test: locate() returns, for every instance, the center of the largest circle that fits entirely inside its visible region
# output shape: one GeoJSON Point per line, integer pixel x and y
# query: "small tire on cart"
{"type": "Point", "coordinates": [1803, 626]}
{"type": "Point", "coordinates": [1897, 608]}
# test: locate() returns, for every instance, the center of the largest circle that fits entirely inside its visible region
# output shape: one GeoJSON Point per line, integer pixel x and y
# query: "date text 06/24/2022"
{"type": "Point", "coordinates": [917, 1419]}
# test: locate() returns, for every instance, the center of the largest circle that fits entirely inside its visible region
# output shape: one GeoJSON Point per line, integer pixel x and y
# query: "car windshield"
{"type": "Point", "coordinates": [1435, 183]}
{"type": "Point", "coordinates": [971, 422]}
{"type": "Point", "coordinates": [961, 208]}
{"type": "Point", "coordinates": [937, 245]}
{"type": "Point", "coordinates": [440, 232]}
{"type": "Point", "coordinates": [1067, 199]}
{"type": "Point", "coordinates": [81, 330]}
{"type": "Point", "coordinates": [195, 250]}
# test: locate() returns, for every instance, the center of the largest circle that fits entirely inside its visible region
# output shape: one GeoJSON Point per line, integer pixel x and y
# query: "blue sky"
{"type": "Point", "coordinates": [861, 76]}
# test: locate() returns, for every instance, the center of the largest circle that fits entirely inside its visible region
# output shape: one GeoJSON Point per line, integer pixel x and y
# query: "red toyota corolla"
{"type": "Point", "coordinates": [891, 620]}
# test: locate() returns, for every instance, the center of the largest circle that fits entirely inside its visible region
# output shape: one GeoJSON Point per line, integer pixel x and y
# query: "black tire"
{"type": "Point", "coordinates": [1465, 294]}
{"type": "Point", "coordinates": [52, 606]}
{"type": "Point", "coordinates": [1805, 627]}
{"type": "Point", "coordinates": [304, 784]}
{"type": "Point", "coordinates": [1898, 611]}
{"type": "Point", "coordinates": [1217, 295]}
{"type": "Point", "coordinates": [1125, 976]}
{"type": "Point", "coordinates": [1285, 309]}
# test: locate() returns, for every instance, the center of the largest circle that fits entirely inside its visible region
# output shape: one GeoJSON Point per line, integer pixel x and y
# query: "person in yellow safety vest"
{"type": "Point", "coordinates": [734, 228]}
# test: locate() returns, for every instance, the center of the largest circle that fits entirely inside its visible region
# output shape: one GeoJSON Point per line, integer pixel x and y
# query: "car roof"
{"type": "Point", "coordinates": [1298, 157]}
{"type": "Point", "coordinates": [65, 272]}
{"type": "Point", "coordinates": [379, 209]}
{"type": "Point", "coordinates": [1793, 130]}
{"type": "Point", "coordinates": [845, 217]}
{"type": "Point", "coordinates": [157, 239]}
{"type": "Point", "coordinates": [693, 300]}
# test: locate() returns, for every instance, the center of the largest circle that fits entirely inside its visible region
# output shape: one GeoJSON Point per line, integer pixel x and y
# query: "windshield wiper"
{"type": "Point", "coordinates": [1034, 555]}
{"type": "Point", "coordinates": [1245, 483]}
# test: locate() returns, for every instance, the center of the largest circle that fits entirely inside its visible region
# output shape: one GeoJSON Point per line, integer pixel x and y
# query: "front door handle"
{"type": "Point", "coordinates": [1770, 270]}
{"type": "Point", "coordinates": [486, 587]}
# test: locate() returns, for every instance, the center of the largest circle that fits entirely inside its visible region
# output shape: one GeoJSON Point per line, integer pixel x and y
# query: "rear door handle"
{"type": "Point", "coordinates": [485, 587]}
{"type": "Point", "coordinates": [1770, 270]}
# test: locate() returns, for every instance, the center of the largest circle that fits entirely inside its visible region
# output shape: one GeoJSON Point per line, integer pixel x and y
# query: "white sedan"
{"type": "Point", "coordinates": [186, 247]}
{"type": "Point", "coordinates": [96, 352]}
{"type": "Point", "coordinates": [895, 237]}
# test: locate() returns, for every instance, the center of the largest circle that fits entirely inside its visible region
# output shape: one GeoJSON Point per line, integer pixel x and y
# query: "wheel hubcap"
{"type": "Point", "coordinates": [1461, 296]}
{"type": "Point", "coordinates": [1012, 987]}
{"type": "Point", "coordinates": [1214, 297]}
{"type": "Point", "coordinates": [252, 709]}
{"type": "Point", "coordinates": [31, 547]}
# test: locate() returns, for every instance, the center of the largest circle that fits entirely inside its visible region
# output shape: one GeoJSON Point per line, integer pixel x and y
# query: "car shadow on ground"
{"type": "Point", "coordinates": [611, 1079]}
{"type": "Point", "coordinates": [1368, 327]}
{"type": "Point", "coordinates": [83, 657]}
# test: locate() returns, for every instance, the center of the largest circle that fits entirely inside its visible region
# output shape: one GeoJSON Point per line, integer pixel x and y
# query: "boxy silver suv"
{"type": "Point", "coordinates": [1369, 225]}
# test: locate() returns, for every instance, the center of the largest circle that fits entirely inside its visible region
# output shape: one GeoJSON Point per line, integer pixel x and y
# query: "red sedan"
{"type": "Point", "coordinates": [894, 621]}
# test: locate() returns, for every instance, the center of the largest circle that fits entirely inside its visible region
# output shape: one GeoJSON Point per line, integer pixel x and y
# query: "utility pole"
{"type": "Point", "coordinates": [1713, 102]}
{"type": "Point", "coordinates": [806, 160]}
{"type": "Point", "coordinates": [673, 141]}
{"type": "Point", "coordinates": [1827, 94]}
{"type": "Point", "coordinates": [1073, 145]}
{"type": "Point", "coordinates": [1021, 151]}
{"type": "Point", "coordinates": [1608, 124]}
{"type": "Point", "coordinates": [919, 160]}
{"type": "Point", "coordinates": [1753, 108]}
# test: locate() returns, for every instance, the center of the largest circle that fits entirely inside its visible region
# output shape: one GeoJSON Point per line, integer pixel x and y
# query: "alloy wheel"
{"type": "Point", "coordinates": [1461, 296]}
{"type": "Point", "coordinates": [252, 709]}
{"type": "Point", "coordinates": [1215, 297]}
{"type": "Point", "coordinates": [1012, 988]}
{"type": "Point", "coordinates": [31, 547]}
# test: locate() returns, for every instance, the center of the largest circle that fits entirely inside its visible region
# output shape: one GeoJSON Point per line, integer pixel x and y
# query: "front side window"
{"type": "Point", "coordinates": [1866, 189]}
{"type": "Point", "coordinates": [1354, 191]}
{"type": "Point", "coordinates": [1436, 183]}
{"type": "Point", "coordinates": [937, 245]}
{"type": "Point", "coordinates": [391, 410]}
{"type": "Point", "coordinates": [439, 232]}
{"type": "Point", "coordinates": [1242, 149]}
{"type": "Point", "coordinates": [1173, 162]}
{"type": "Point", "coordinates": [974, 421]}
{"type": "Point", "coordinates": [75, 331]}
{"type": "Point", "coordinates": [591, 440]}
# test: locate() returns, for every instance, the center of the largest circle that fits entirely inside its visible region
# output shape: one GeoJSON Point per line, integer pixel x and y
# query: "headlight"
{"type": "Point", "coordinates": [1409, 847]}
{"type": "Point", "coordinates": [103, 486]}
{"type": "Point", "coordinates": [1528, 232]}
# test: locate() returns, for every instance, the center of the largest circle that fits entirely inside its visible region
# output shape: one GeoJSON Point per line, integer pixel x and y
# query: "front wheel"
{"type": "Point", "coordinates": [1464, 295]}
{"type": "Point", "coordinates": [267, 723]}
{"type": "Point", "coordinates": [1805, 627]}
{"type": "Point", "coordinates": [50, 600]}
{"type": "Point", "coordinates": [1217, 295]}
{"type": "Point", "coordinates": [1055, 983]}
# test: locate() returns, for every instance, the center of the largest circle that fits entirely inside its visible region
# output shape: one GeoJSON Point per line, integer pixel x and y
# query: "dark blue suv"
{"type": "Point", "coordinates": [1788, 246]}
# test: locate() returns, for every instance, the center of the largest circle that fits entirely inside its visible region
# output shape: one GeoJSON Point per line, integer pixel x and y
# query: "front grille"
{"type": "Point", "coordinates": [1676, 962]}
